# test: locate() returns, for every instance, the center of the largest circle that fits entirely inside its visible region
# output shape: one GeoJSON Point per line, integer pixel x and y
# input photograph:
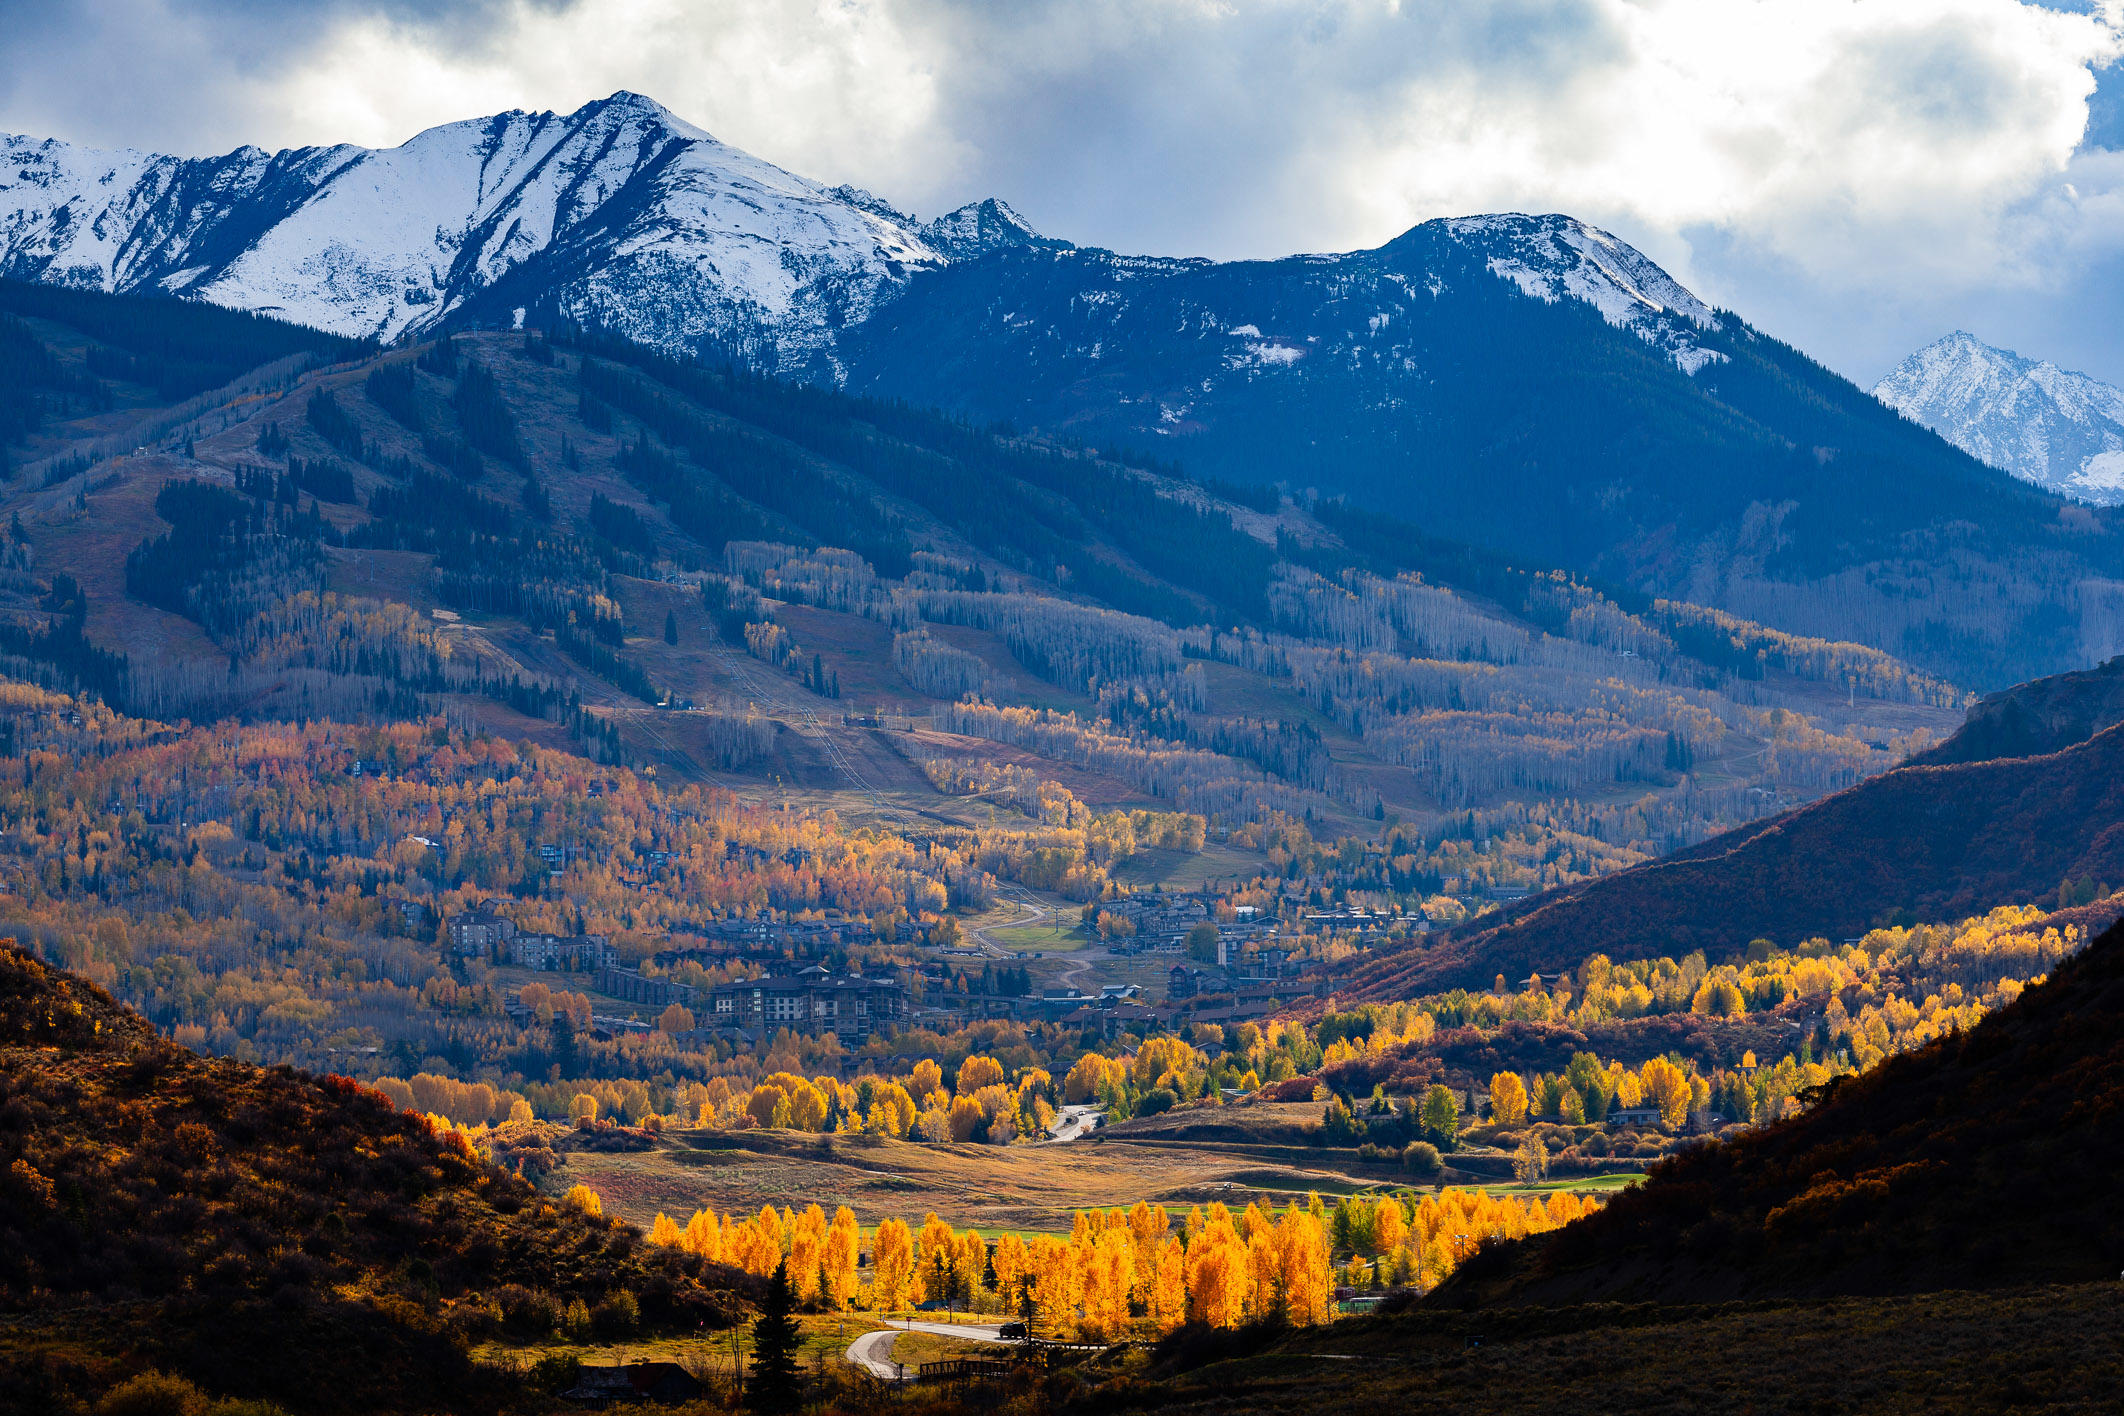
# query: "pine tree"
{"type": "Point", "coordinates": [773, 1386]}
{"type": "Point", "coordinates": [671, 626]}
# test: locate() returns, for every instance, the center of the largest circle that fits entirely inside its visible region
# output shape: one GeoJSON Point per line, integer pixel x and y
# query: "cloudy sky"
{"type": "Point", "coordinates": [1857, 176]}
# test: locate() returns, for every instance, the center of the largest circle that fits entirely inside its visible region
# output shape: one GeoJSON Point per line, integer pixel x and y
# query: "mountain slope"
{"type": "Point", "coordinates": [1912, 1177]}
{"type": "Point", "coordinates": [1529, 384]}
{"type": "Point", "coordinates": [266, 1232]}
{"type": "Point", "coordinates": [2046, 425]}
{"type": "Point", "coordinates": [1525, 383]}
{"type": "Point", "coordinates": [618, 213]}
{"type": "Point", "coordinates": [1948, 836]}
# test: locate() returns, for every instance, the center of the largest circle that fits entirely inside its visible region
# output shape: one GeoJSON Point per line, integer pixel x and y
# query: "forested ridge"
{"type": "Point", "coordinates": [492, 527]}
{"type": "Point", "coordinates": [1922, 842]}
{"type": "Point", "coordinates": [1419, 382]}
{"type": "Point", "coordinates": [1892, 1182]}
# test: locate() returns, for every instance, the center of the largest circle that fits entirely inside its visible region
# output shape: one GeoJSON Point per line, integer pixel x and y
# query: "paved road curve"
{"type": "Point", "coordinates": [1074, 1123]}
{"type": "Point", "coordinates": [873, 1350]}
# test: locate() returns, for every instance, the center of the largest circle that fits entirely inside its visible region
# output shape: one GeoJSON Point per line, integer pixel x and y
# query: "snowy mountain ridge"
{"type": "Point", "coordinates": [2058, 429]}
{"type": "Point", "coordinates": [619, 214]}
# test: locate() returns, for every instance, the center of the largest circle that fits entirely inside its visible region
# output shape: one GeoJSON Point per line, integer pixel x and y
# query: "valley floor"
{"type": "Point", "coordinates": [1026, 1189]}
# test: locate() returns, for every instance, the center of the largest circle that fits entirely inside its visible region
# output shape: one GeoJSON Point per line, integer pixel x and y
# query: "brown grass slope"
{"type": "Point", "coordinates": [1930, 841]}
{"type": "Point", "coordinates": [1984, 1160]}
{"type": "Point", "coordinates": [266, 1232]}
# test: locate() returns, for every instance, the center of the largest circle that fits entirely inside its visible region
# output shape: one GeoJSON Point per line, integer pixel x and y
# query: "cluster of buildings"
{"type": "Point", "coordinates": [489, 934]}
{"type": "Point", "coordinates": [809, 1000]}
{"type": "Point", "coordinates": [1255, 972]}
{"type": "Point", "coordinates": [806, 937]}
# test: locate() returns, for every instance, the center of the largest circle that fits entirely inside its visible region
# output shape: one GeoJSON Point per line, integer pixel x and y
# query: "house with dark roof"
{"type": "Point", "coordinates": [634, 1381]}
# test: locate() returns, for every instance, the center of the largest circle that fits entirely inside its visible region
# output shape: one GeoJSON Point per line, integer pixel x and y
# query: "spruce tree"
{"type": "Point", "coordinates": [773, 1386]}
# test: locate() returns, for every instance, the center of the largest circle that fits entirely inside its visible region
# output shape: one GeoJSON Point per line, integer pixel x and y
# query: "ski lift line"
{"type": "Point", "coordinates": [810, 719]}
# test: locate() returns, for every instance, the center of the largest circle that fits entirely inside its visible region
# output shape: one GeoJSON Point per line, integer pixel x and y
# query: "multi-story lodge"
{"type": "Point", "coordinates": [480, 931]}
{"type": "Point", "coordinates": [811, 1001]}
{"type": "Point", "coordinates": [488, 932]}
{"type": "Point", "coordinates": [579, 953]}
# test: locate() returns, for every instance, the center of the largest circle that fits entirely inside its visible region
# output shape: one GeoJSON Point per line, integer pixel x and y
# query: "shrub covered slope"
{"type": "Point", "coordinates": [1984, 1160]}
{"type": "Point", "coordinates": [266, 1232]}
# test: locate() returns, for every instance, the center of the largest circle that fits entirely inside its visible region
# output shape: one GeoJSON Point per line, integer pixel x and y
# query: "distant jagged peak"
{"type": "Point", "coordinates": [2055, 427]}
{"type": "Point", "coordinates": [979, 228]}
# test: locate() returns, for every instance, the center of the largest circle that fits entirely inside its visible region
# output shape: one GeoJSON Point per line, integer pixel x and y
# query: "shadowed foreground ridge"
{"type": "Point", "coordinates": [2029, 793]}
{"type": "Point", "coordinates": [265, 1232]}
{"type": "Point", "coordinates": [1983, 1160]}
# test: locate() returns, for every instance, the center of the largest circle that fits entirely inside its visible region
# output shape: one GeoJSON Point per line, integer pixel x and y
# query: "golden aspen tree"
{"type": "Point", "coordinates": [1307, 1284]}
{"type": "Point", "coordinates": [665, 1232]}
{"type": "Point", "coordinates": [844, 1242]}
{"type": "Point", "coordinates": [1054, 1282]}
{"type": "Point", "coordinates": [1508, 1099]}
{"type": "Point", "coordinates": [704, 1236]}
{"type": "Point", "coordinates": [969, 1262]}
{"type": "Point", "coordinates": [1264, 1272]}
{"type": "Point", "coordinates": [964, 1119]}
{"type": "Point", "coordinates": [1389, 1225]}
{"type": "Point", "coordinates": [1216, 1281]}
{"type": "Point", "coordinates": [933, 1255]}
{"type": "Point", "coordinates": [584, 1199]}
{"type": "Point", "coordinates": [1146, 1228]}
{"type": "Point", "coordinates": [1217, 1277]}
{"type": "Point", "coordinates": [892, 1110]}
{"type": "Point", "coordinates": [891, 1266]}
{"type": "Point", "coordinates": [1666, 1086]}
{"type": "Point", "coordinates": [1168, 1290]}
{"type": "Point", "coordinates": [1012, 1266]}
{"type": "Point", "coordinates": [806, 1251]}
{"type": "Point", "coordinates": [977, 1072]}
{"type": "Point", "coordinates": [1109, 1272]}
{"type": "Point", "coordinates": [773, 1232]}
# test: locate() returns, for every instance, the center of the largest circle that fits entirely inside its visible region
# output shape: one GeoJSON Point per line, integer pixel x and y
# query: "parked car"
{"type": "Point", "coordinates": [1014, 1331]}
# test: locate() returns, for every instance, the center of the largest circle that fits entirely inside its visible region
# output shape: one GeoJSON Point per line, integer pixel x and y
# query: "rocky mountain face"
{"type": "Point", "coordinates": [2050, 426]}
{"type": "Point", "coordinates": [619, 214]}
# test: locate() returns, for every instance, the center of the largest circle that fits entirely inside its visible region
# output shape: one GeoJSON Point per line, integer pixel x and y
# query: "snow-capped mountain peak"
{"type": "Point", "coordinates": [2050, 426]}
{"type": "Point", "coordinates": [620, 212]}
{"type": "Point", "coordinates": [1556, 257]}
{"type": "Point", "coordinates": [625, 216]}
{"type": "Point", "coordinates": [979, 228]}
